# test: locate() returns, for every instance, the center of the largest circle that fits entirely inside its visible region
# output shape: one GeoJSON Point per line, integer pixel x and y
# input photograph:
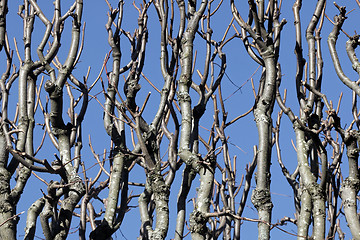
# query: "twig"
{"type": "Point", "coordinates": [10, 218]}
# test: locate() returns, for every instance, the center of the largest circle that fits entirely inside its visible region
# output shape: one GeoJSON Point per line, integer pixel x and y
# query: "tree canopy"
{"type": "Point", "coordinates": [179, 119]}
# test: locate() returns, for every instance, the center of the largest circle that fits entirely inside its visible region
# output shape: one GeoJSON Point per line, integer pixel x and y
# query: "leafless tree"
{"type": "Point", "coordinates": [185, 131]}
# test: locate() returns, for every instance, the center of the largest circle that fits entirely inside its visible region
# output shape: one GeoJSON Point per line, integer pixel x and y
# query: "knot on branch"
{"type": "Point", "coordinates": [24, 120]}
{"type": "Point", "coordinates": [77, 185]}
{"type": "Point", "coordinates": [183, 96]}
{"type": "Point", "coordinates": [191, 159]}
{"type": "Point", "coordinates": [356, 66]}
{"type": "Point", "coordinates": [159, 188]}
{"type": "Point", "coordinates": [4, 185]}
{"type": "Point", "coordinates": [198, 222]}
{"type": "Point", "coordinates": [261, 199]}
{"type": "Point", "coordinates": [315, 191]}
{"type": "Point", "coordinates": [61, 129]}
{"type": "Point", "coordinates": [210, 160]}
{"type": "Point", "coordinates": [350, 183]}
{"type": "Point", "coordinates": [353, 153]}
{"type": "Point", "coordinates": [5, 206]}
{"type": "Point", "coordinates": [349, 203]}
{"type": "Point", "coordinates": [53, 90]}
{"type": "Point", "coordinates": [157, 234]}
{"type": "Point", "coordinates": [58, 132]}
{"type": "Point", "coordinates": [49, 86]}
{"type": "Point", "coordinates": [339, 19]}
{"type": "Point", "coordinates": [117, 151]}
{"type": "Point", "coordinates": [268, 52]}
{"type": "Point", "coordinates": [110, 88]}
{"type": "Point", "coordinates": [131, 88]}
{"type": "Point", "coordinates": [260, 117]}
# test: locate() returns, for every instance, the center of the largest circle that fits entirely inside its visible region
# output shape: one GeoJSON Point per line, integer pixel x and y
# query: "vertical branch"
{"type": "Point", "coordinates": [300, 61]}
{"type": "Point", "coordinates": [185, 81]}
{"type": "Point", "coordinates": [3, 11]}
{"type": "Point", "coordinates": [262, 112]}
{"type": "Point", "coordinates": [7, 209]}
{"type": "Point", "coordinates": [312, 50]}
{"type": "Point", "coordinates": [350, 186]}
{"type": "Point", "coordinates": [117, 135]}
{"type": "Point", "coordinates": [54, 87]}
{"type": "Point", "coordinates": [332, 38]}
{"type": "Point", "coordinates": [308, 145]}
